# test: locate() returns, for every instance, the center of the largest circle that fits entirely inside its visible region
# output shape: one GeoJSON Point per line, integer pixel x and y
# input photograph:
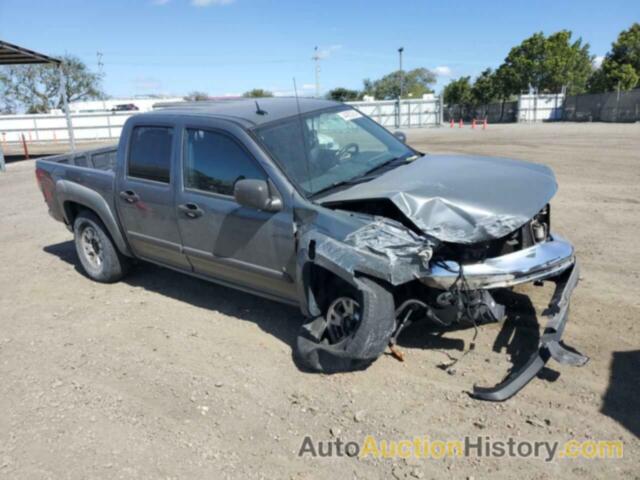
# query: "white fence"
{"type": "Point", "coordinates": [104, 125]}
{"type": "Point", "coordinates": [412, 113]}
{"type": "Point", "coordinates": [53, 127]}
{"type": "Point", "coordinates": [540, 108]}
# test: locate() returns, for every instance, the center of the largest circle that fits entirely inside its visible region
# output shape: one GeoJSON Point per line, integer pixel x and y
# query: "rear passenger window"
{"type": "Point", "coordinates": [150, 153]}
{"type": "Point", "coordinates": [80, 161]}
{"type": "Point", "coordinates": [214, 162]}
{"type": "Point", "coordinates": [104, 161]}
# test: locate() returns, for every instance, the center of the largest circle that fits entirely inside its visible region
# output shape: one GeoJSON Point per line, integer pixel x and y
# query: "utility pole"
{"type": "Point", "coordinates": [100, 73]}
{"type": "Point", "coordinates": [316, 58]}
{"type": "Point", "coordinates": [400, 50]}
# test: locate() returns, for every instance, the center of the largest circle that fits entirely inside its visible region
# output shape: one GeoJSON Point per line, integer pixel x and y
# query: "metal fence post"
{"type": "Point", "coordinates": [65, 103]}
{"type": "Point", "coordinates": [2, 165]}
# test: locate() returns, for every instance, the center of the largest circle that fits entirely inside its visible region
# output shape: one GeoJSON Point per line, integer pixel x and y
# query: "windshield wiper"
{"type": "Point", "coordinates": [399, 160]}
{"type": "Point", "coordinates": [366, 176]}
{"type": "Point", "coordinates": [342, 183]}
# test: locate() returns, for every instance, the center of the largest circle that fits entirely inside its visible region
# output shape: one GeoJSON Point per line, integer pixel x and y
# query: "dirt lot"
{"type": "Point", "coordinates": [165, 376]}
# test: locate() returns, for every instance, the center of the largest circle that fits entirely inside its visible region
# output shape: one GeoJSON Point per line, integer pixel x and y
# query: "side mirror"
{"type": "Point", "coordinates": [400, 136]}
{"type": "Point", "coordinates": [255, 194]}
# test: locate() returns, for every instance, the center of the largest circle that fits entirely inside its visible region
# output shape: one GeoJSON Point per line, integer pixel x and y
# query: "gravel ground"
{"type": "Point", "coordinates": [166, 376]}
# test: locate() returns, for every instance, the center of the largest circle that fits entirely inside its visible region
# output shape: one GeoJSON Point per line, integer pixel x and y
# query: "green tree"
{"type": "Point", "coordinates": [36, 88]}
{"type": "Point", "coordinates": [626, 49]}
{"type": "Point", "coordinates": [415, 83]}
{"type": "Point", "coordinates": [621, 66]}
{"type": "Point", "coordinates": [547, 64]}
{"type": "Point", "coordinates": [341, 94]}
{"type": "Point", "coordinates": [458, 92]}
{"type": "Point", "coordinates": [257, 93]}
{"type": "Point", "coordinates": [484, 89]}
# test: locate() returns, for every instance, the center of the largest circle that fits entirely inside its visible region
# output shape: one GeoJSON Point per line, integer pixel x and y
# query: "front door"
{"type": "Point", "coordinates": [145, 196]}
{"type": "Point", "coordinates": [223, 240]}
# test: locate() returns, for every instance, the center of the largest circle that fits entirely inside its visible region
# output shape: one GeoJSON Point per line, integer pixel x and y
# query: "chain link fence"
{"type": "Point", "coordinates": [603, 107]}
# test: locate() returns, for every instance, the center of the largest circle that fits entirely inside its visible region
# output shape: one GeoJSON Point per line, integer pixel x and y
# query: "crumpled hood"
{"type": "Point", "coordinates": [461, 198]}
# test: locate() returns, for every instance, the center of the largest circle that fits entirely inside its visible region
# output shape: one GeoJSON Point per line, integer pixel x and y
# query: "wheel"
{"type": "Point", "coordinates": [99, 257]}
{"type": "Point", "coordinates": [353, 331]}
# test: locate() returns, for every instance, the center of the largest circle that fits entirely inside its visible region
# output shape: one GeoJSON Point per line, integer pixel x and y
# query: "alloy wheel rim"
{"type": "Point", "coordinates": [92, 247]}
{"type": "Point", "coordinates": [343, 316]}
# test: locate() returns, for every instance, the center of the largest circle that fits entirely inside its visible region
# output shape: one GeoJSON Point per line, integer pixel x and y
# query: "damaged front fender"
{"type": "Point", "coordinates": [382, 249]}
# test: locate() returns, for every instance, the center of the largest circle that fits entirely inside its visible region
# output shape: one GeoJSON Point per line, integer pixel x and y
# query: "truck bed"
{"type": "Point", "coordinates": [103, 158]}
{"type": "Point", "coordinates": [80, 178]}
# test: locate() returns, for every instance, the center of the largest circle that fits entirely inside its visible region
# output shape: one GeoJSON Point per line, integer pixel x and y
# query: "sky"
{"type": "Point", "coordinates": [226, 47]}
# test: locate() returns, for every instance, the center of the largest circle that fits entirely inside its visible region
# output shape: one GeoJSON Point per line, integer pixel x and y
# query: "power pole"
{"type": "Point", "coordinates": [400, 50]}
{"type": "Point", "coordinates": [316, 58]}
{"type": "Point", "coordinates": [100, 73]}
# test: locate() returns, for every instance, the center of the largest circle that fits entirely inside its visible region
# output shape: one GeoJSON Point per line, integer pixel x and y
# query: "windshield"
{"type": "Point", "coordinates": [330, 147]}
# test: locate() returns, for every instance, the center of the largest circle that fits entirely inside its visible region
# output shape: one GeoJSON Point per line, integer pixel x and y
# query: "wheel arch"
{"type": "Point", "coordinates": [74, 198]}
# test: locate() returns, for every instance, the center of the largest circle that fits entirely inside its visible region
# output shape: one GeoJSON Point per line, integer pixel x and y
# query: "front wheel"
{"type": "Point", "coordinates": [353, 331]}
{"type": "Point", "coordinates": [99, 257]}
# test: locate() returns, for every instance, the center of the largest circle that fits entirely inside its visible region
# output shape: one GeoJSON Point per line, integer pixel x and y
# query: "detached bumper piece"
{"type": "Point", "coordinates": [551, 345]}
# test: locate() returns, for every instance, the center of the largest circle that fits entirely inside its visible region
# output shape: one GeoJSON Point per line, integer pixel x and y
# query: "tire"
{"type": "Point", "coordinates": [315, 350]}
{"type": "Point", "coordinates": [106, 264]}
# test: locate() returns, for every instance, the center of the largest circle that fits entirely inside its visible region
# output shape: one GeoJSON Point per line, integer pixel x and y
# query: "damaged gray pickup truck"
{"type": "Point", "coordinates": [312, 203]}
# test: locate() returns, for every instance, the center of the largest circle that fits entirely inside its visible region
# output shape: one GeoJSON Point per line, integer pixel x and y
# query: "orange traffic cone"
{"type": "Point", "coordinates": [461, 124]}
{"type": "Point", "coordinates": [473, 123]}
{"type": "Point", "coordinates": [484, 124]}
{"type": "Point", "coordinates": [451, 123]}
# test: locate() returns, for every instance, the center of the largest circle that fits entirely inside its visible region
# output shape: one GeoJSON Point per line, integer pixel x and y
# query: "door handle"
{"type": "Point", "coordinates": [129, 196]}
{"type": "Point", "coordinates": [191, 210]}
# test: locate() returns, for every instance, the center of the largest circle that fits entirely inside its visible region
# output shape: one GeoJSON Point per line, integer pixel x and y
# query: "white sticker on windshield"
{"type": "Point", "coordinates": [349, 115]}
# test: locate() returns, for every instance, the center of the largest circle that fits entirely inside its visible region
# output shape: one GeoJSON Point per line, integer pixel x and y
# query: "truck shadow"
{"type": "Point", "coordinates": [620, 402]}
{"type": "Point", "coordinates": [518, 337]}
{"type": "Point", "coordinates": [281, 321]}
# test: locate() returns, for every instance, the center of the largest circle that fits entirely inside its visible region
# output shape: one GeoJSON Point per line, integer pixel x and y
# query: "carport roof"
{"type": "Point", "coordinates": [14, 55]}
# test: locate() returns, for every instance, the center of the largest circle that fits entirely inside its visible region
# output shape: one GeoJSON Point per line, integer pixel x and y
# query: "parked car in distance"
{"type": "Point", "coordinates": [125, 107]}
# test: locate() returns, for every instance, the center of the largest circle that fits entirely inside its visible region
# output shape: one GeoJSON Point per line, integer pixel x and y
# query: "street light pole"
{"type": "Point", "coordinates": [316, 58]}
{"type": "Point", "coordinates": [398, 120]}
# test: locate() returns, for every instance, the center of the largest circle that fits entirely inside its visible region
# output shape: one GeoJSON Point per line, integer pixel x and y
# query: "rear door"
{"type": "Point", "coordinates": [145, 193]}
{"type": "Point", "coordinates": [222, 239]}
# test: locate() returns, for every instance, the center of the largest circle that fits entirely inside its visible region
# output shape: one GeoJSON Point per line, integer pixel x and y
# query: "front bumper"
{"type": "Point", "coordinates": [551, 345]}
{"type": "Point", "coordinates": [539, 262]}
{"type": "Point", "coordinates": [553, 260]}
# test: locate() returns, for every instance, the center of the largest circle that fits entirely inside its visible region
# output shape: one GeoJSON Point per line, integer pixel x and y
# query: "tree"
{"type": "Point", "coordinates": [484, 89]}
{"type": "Point", "coordinates": [37, 87]}
{"type": "Point", "coordinates": [458, 92]}
{"type": "Point", "coordinates": [197, 96]}
{"type": "Point", "coordinates": [415, 83]}
{"type": "Point", "coordinates": [626, 49]}
{"type": "Point", "coordinates": [621, 66]}
{"type": "Point", "coordinates": [341, 94]}
{"type": "Point", "coordinates": [257, 93]}
{"type": "Point", "coordinates": [547, 64]}
{"type": "Point", "coordinates": [612, 76]}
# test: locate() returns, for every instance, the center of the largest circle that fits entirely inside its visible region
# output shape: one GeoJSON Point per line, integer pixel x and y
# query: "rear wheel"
{"type": "Point", "coordinates": [98, 255]}
{"type": "Point", "coordinates": [353, 331]}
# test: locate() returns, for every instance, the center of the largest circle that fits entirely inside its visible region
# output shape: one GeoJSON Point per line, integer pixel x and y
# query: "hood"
{"type": "Point", "coordinates": [460, 198]}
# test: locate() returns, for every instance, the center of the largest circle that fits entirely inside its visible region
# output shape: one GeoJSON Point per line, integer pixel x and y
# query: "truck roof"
{"type": "Point", "coordinates": [244, 110]}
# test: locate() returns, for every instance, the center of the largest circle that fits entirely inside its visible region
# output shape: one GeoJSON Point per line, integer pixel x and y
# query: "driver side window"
{"type": "Point", "coordinates": [214, 162]}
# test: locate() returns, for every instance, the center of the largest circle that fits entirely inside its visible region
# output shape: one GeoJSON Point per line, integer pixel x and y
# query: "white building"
{"type": "Point", "coordinates": [144, 104]}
